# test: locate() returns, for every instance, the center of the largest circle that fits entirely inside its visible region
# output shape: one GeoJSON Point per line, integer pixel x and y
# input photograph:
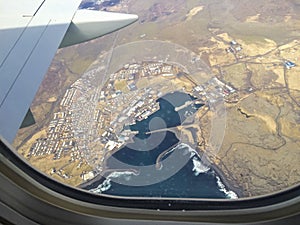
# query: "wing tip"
{"type": "Point", "coordinates": [89, 24]}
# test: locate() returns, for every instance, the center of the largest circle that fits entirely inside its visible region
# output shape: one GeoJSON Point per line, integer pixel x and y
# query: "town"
{"type": "Point", "coordinates": [92, 120]}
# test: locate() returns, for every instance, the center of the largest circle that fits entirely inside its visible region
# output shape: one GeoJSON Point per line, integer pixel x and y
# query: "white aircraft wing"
{"type": "Point", "coordinates": [30, 33]}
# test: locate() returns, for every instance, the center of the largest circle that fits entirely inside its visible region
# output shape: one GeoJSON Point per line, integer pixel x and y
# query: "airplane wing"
{"type": "Point", "coordinates": [30, 34]}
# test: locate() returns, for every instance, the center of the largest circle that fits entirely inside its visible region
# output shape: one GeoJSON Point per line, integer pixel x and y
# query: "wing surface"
{"type": "Point", "coordinates": [30, 34]}
{"type": "Point", "coordinates": [30, 31]}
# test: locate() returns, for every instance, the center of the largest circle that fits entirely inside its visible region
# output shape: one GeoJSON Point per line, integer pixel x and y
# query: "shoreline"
{"type": "Point", "coordinates": [229, 185]}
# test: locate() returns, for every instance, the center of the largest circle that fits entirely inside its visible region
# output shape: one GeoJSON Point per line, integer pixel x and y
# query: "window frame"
{"type": "Point", "coordinates": [21, 181]}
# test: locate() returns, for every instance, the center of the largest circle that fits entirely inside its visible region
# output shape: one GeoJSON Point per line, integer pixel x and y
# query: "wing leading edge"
{"type": "Point", "coordinates": [31, 41]}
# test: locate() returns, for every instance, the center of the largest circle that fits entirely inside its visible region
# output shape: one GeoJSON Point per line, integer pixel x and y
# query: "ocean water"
{"type": "Point", "coordinates": [161, 165]}
{"type": "Point", "coordinates": [192, 180]}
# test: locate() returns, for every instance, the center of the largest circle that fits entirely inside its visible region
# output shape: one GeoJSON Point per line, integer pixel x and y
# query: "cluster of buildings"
{"type": "Point", "coordinates": [153, 69]}
{"type": "Point", "coordinates": [95, 120]}
{"type": "Point", "coordinates": [289, 64]}
{"type": "Point", "coordinates": [60, 172]}
{"type": "Point", "coordinates": [234, 47]}
{"type": "Point", "coordinates": [142, 101]}
{"type": "Point", "coordinates": [136, 104]}
{"type": "Point", "coordinates": [91, 119]}
{"type": "Point", "coordinates": [133, 71]}
{"type": "Point", "coordinates": [61, 139]}
{"type": "Point", "coordinates": [213, 90]}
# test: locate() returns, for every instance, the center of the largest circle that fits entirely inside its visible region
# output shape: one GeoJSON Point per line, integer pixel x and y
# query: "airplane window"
{"type": "Point", "coordinates": [198, 99]}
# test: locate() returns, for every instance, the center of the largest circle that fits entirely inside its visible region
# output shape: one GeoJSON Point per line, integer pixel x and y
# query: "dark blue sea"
{"type": "Point", "coordinates": [159, 164]}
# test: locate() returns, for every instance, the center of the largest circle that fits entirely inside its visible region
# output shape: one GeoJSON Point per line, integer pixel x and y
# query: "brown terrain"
{"type": "Point", "coordinates": [260, 152]}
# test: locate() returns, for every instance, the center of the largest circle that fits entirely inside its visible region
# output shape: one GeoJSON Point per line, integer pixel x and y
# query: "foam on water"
{"type": "Point", "coordinates": [192, 151]}
{"type": "Point", "coordinates": [199, 167]}
{"type": "Point", "coordinates": [106, 184]}
{"type": "Point", "coordinates": [229, 194]}
{"type": "Point", "coordinates": [125, 174]}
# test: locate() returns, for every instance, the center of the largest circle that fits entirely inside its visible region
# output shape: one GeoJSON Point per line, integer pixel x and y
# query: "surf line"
{"type": "Point", "coordinates": [158, 164]}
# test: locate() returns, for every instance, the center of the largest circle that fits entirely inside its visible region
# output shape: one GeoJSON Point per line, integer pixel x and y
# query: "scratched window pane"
{"type": "Point", "coordinates": [198, 99]}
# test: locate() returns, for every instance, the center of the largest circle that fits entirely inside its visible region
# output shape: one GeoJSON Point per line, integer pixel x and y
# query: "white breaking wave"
{"type": "Point", "coordinates": [188, 149]}
{"type": "Point", "coordinates": [125, 174]}
{"type": "Point", "coordinates": [199, 167]}
{"type": "Point", "coordinates": [192, 151]}
{"type": "Point", "coordinates": [229, 194]}
{"type": "Point", "coordinates": [106, 185]}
